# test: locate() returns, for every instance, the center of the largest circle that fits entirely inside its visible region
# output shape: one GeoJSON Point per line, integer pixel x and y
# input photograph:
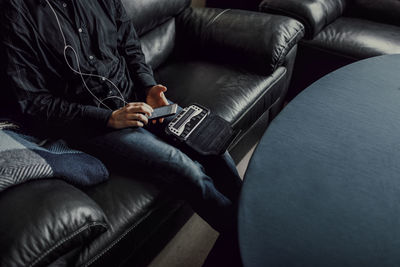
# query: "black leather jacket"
{"type": "Point", "coordinates": [48, 93]}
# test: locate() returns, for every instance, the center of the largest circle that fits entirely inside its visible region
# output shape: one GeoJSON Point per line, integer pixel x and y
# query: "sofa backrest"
{"type": "Point", "coordinates": [386, 11]}
{"type": "Point", "coordinates": [148, 14]}
{"type": "Point", "coordinates": [237, 4]}
{"type": "Point", "coordinates": [154, 22]}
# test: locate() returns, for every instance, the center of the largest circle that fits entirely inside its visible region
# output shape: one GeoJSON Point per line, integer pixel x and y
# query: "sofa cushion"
{"type": "Point", "coordinates": [236, 4]}
{"type": "Point", "coordinates": [126, 201]}
{"type": "Point", "coordinates": [158, 44]}
{"type": "Point", "coordinates": [386, 11]}
{"type": "Point", "coordinates": [147, 14]}
{"type": "Point", "coordinates": [224, 36]}
{"type": "Point", "coordinates": [357, 38]}
{"type": "Point", "coordinates": [314, 14]}
{"type": "Point", "coordinates": [44, 220]}
{"type": "Point", "coordinates": [235, 94]}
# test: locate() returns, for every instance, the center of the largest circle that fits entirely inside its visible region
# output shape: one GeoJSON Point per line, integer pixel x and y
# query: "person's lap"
{"type": "Point", "coordinates": [186, 175]}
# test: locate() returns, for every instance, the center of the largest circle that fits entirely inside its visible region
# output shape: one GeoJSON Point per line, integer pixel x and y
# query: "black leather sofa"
{"type": "Point", "coordinates": [338, 32]}
{"type": "Point", "coordinates": [237, 63]}
{"type": "Point", "coordinates": [236, 4]}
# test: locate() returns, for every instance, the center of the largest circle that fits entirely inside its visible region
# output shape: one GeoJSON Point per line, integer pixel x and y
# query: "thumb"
{"type": "Point", "coordinates": [162, 88]}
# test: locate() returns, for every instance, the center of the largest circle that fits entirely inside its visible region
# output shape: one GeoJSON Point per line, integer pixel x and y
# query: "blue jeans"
{"type": "Point", "coordinates": [210, 184]}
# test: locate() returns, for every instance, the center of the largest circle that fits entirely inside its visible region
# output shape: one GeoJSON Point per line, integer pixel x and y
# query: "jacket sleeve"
{"type": "Point", "coordinates": [29, 81]}
{"type": "Point", "coordinates": [130, 48]}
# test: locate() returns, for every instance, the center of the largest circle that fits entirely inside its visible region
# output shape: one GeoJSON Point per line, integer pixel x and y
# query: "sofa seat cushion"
{"type": "Point", "coordinates": [126, 202]}
{"type": "Point", "coordinates": [357, 38]}
{"type": "Point", "coordinates": [44, 220]}
{"type": "Point", "coordinates": [238, 96]}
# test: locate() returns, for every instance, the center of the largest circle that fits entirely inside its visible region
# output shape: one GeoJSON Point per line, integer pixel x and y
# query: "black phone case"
{"type": "Point", "coordinates": [211, 137]}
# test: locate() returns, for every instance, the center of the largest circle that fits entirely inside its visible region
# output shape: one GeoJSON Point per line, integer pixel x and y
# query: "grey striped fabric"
{"type": "Point", "coordinates": [24, 158]}
{"type": "Point", "coordinates": [7, 125]}
{"type": "Point", "coordinates": [19, 164]}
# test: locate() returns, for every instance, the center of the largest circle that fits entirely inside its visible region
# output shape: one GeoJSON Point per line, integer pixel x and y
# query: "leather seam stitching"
{"type": "Point", "coordinates": [217, 17]}
{"type": "Point", "coordinates": [65, 239]}
{"type": "Point", "coordinates": [285, 49]}
{"type": "Point", "coordinates": [105, 250]}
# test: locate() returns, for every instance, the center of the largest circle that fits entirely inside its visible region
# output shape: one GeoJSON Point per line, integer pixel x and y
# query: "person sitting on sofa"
{"type": "Point", "coordinates": [77, 71]}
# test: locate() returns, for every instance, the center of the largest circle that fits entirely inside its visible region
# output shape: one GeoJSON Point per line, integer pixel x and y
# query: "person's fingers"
{"type": "Point", "coordinates": [158, 90]}
{"type": "Point", "coordinates": [134, 123]}
{"type": "Point", "coordinates": [139, 108]}
{"type": "Point", "coordinates": [162, 88]}
{"type": "Point", "coordinates": [137, 116]}
{"type": "Point", "coordinates": [164, 101]}
{"type": "Point", "coordinates": [162, 96]}
{"type": "Point", "coordinates": [146, 105]}
{"type": "Point", "coordinates": [139, 104]}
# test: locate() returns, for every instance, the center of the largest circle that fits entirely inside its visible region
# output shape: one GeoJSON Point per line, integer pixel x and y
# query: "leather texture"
{"type": "Point", "coordinates": [235, 94]}
{"type": "Point", "coordinates": [358, 38]}
{"type": "Point", "coordinates": [385, 11]}
{"type": "Point", "coordinates": [237, 63]}
{"type": "Point", "coordinates": [125, 202]}
{"type": "Point", "coordinates": [43, 220]}
{"type": "Point", "coordinates": [159, 43]}
{"type": "Point", "coordinates": [314, 14]}
{"type": "Point", "coordinates": [237, 4]}
{"type": "Point", "coordinates": [147, 14]}
{"type": "Point", "coordinates": [224, 35]}
{"type": "Point", "coordinates": [345, 31]}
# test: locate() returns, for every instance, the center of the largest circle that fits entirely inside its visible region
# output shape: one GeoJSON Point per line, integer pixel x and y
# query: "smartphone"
{"type": "Point", "coordinates": [164, 111]}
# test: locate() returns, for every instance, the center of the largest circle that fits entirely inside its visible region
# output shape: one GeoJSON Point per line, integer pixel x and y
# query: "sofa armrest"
{"type": "Point", "coordinates": [314, 14]}
{"type": "Point", "coordinates": [43, 220]}
{"type": "Point", "coordinates": [248, 38]}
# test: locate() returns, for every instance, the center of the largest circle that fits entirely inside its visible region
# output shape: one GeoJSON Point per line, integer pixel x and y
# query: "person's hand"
{"type": "Point", "coordinates": [132, 115]}
{"type": "Point", "coordinates": [156, 98]}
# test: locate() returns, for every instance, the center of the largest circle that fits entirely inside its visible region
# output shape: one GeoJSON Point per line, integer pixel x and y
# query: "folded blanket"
{"type": "Point", "coordinates": [24, 158]}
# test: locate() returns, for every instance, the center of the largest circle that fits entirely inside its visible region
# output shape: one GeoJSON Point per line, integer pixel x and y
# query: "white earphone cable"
{"type": "Point", "coordinates": [79, 72]}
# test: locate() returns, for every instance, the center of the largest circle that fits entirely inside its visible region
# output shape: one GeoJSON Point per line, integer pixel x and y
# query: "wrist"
{"type": "Point", "coordinates": [111, 121]}
{"type": "Point", "coordinates": [147, 90]}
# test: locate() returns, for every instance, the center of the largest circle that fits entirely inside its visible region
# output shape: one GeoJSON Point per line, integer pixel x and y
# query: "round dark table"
{"type": "Point", "coordinates": [323, 186]}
